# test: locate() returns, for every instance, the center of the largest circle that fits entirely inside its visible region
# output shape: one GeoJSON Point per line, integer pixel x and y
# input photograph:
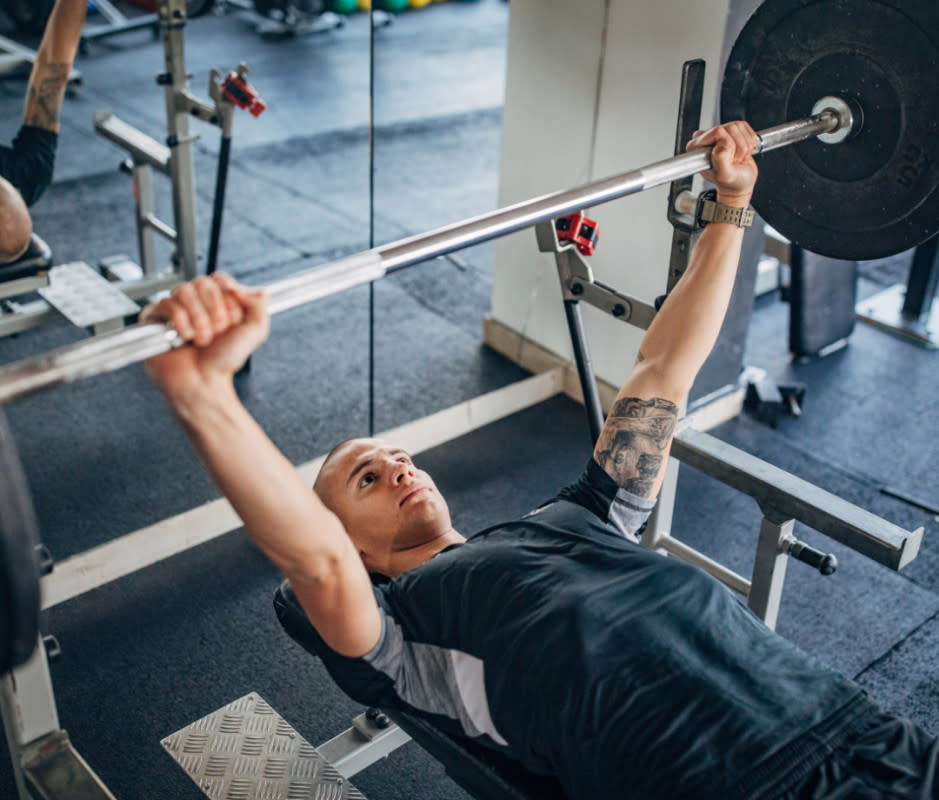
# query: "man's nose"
{"type": "Point", "coordinates": [401, 471]}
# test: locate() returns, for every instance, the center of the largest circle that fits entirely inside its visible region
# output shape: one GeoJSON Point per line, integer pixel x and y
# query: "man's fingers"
{"type": "Point", "coordinates": [236, 313]}
{"type": "Point", "coordinates": [168, 310]}
{"type": "Point", "coordinates": [743, 141]}
{"type": "Point", "coordinates": [185, 294]}
{"type": "Point", "coordinates": [255, 306]}
{"type": "Point", "coordinates": [202, 309]}
{"type": "Point", "coordinates": [701, 139]}
{"type": "Point", "coordinates": [224, 280]}
{"type": "Point", "coordinates": [215, 307]}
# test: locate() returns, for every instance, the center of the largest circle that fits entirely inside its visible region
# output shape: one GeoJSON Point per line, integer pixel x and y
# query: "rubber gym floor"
{"type": "Point", "coordinates": [154, 651]}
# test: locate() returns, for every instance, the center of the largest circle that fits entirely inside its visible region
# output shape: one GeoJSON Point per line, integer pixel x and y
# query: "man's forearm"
{"type": "Point", "coordinates": [281, 513]}
{"type": "Point", "coordinates": [685, 329]}
{"type": "Point", "coordinates": [53, 63]}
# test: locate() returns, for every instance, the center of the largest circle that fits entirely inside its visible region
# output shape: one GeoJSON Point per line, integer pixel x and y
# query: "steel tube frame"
{"type": "Point", "coordinates": [139, 342]}
{"type": "Point", "coordinates": [588, 384]}
{"type": "Point", "coordinates": [172, 18]}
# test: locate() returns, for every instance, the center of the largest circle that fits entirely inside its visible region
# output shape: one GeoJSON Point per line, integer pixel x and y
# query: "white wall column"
{"type": "Point", "coordinates": [591, 91]}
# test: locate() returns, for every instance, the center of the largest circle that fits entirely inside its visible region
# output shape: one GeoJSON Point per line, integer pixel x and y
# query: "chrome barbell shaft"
{"type": "Point", "coordinates": [112, 351]}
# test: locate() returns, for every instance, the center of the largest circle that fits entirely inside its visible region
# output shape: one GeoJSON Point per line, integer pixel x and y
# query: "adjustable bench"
{"type": "Point", "coordinates": [29, 272]}
{"type": "Point", "coordinates": [482, 772]}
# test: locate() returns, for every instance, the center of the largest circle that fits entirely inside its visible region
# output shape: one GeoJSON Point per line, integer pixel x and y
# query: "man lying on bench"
{"type": "Point", "coordinates": [556, 638]}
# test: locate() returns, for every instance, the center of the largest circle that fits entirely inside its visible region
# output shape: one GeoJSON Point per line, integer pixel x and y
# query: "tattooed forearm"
{"type": "Point", "coordinates": [44, 96]}
{"type": "Point", "coordinates": [634, 442]}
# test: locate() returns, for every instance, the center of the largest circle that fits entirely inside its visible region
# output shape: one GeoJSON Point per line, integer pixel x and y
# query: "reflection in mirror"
{"type": "Point", "coordinates": [439, 77]}
{"type": "Point", "coordinates": [296, 195]}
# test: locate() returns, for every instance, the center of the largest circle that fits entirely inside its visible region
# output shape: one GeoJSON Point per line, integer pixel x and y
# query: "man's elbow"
{"type": "Point", "coordinates": [319, 569]}
{"type": "Point", "coordinates": [665, 377]}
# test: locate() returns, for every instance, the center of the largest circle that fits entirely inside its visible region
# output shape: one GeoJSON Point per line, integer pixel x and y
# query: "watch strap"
{"type": "Point", "coordinates": [709, 210]}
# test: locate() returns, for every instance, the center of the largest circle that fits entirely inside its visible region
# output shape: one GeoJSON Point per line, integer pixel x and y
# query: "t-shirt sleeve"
{"type": "Point", "coordinates": [358, 677]}
{"type": "Point", "coordinates": [29, 163]}
{"type": "Point", "coordinates": [599, 493]}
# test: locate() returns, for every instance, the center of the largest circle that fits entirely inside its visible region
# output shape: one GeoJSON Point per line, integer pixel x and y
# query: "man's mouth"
{"type": "Point", "coordinates": [417, 490]}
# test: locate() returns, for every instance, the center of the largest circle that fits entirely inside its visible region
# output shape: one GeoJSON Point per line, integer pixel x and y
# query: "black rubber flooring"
{"type": "Point", "coordinates": [154, 651]}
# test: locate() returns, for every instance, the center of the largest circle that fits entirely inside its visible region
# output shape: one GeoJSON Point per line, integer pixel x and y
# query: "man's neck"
{"type": "Point", "coordinates": [403, 560]}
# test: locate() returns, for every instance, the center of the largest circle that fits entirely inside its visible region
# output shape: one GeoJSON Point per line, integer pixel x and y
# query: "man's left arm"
{"type": "Point", "coordinates": [53, 63]}
{"type": "Point", "coordinates": [635, 440]}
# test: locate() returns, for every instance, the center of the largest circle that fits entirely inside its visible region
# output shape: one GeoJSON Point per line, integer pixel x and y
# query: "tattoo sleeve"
{"type": "Point", "coordinates": [44, 96]}
{"type": "Point", "coordinates": [634, 442]}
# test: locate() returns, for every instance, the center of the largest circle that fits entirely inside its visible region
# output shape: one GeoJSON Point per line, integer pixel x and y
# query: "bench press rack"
{"type": "Point", "coordinates": [26, 694]}
{"type": "Point", "coordinates": [782, 497]}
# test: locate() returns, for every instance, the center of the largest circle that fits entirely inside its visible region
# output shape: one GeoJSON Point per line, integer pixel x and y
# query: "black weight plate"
{"type": "Point", "coordinates": [19, 568]}
{"type": "Point", "coordinates": [877, 193]}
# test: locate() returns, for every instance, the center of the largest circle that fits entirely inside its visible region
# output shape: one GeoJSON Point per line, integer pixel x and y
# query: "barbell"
{"type": "Point", "coordinates": [855, 174]}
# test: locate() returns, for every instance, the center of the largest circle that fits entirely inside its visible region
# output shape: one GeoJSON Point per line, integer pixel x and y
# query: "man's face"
{"type": "Point", "coordinates": [385, 503]}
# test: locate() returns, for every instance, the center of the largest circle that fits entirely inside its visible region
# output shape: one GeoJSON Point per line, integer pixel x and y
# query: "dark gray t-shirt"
{"type": "Point", "coordinates": [561, 641]}
{"type": "Point", "coordinates": [29, 162]}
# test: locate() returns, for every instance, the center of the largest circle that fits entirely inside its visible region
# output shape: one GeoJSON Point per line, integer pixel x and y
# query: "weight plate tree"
{"type": "Point", "coordinates": [877, 193]}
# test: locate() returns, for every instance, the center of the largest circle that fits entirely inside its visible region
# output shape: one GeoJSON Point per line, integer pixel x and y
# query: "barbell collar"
{"type": "Point", "coordinates": [112, 351]}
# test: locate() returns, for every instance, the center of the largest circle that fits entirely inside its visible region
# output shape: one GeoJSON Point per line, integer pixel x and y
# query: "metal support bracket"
{"type": "Point", "coordinates": [578, 283]}
{"type": "Point", "coordinates": [689, 120]}
{"type": "Point", "coordinates": [769, 569]}
{"type": "Point", "coordinates": [362, 745]}
{"type": "Point", "coordinates": [782, 495]}
{"type": "Point", "coordinates": [55, 771]}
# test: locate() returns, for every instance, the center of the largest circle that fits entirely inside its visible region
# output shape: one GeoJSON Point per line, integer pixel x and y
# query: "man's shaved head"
{"type": "Point", "coordinates": [322, 483]}
{"type": "Point", "coordinates": [391, 509]}
{"type": "Point", "coordinates": [15, 224]}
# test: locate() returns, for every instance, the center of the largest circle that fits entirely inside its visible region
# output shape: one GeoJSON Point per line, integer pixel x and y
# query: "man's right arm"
{"type": "Point", "coordinates": [282, 515]}
{"type": "Point", "coordinates": [634, 443]}
{"type": "Point", "coordinates": [53, 63]}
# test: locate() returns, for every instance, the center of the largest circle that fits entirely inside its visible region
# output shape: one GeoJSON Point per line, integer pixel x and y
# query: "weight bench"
{"type": "Point", "coordinates": [29, 272]}
{"type": "Point", "coordinates": [479, 770]}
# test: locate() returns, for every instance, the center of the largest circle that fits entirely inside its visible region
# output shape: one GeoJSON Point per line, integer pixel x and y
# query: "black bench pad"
{"type": "Point", "coordinates": [37, 258]}
{"type": "Point", "coordinates": [482, 772]}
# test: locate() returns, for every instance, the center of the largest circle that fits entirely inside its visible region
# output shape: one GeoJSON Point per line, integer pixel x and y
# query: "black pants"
{"type": "Point", "coordinates": [888, 759]}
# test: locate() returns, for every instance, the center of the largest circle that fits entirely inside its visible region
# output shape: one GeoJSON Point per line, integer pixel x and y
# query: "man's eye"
{"type": "Point", "coordinates": [367, 478]}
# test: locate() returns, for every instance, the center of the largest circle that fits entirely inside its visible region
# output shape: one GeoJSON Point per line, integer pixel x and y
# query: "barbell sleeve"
{"type": "Point", "coordinates": [112, 351]}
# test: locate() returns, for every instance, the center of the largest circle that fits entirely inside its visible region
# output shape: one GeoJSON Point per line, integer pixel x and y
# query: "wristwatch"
{"type": "Point", "coordinates": [709, 210]}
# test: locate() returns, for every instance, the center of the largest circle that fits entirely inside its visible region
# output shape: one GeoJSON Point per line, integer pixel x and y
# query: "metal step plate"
{"type": "Point", "coordinates": [247, 751]}
{"type": "Point", "coordinates": [83, 297]}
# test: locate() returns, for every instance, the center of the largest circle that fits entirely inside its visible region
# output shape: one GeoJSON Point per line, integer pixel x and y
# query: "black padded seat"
{"type": "Point", "coordinates": [37, 258]}
{"type": "Point", "coordinates": [482, 772]}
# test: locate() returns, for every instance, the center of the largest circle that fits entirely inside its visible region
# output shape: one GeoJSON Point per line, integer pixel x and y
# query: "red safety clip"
{"type": "Point", "coordinates": [236, 90]}
{"type": "Point", "coordinates": [578, 229]}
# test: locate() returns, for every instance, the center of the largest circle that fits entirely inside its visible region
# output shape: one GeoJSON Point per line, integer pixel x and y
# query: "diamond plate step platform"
{"type": "Point", "coordinates": [83, 297]}
{"type": "Point", "coordinates": [247, 751]}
